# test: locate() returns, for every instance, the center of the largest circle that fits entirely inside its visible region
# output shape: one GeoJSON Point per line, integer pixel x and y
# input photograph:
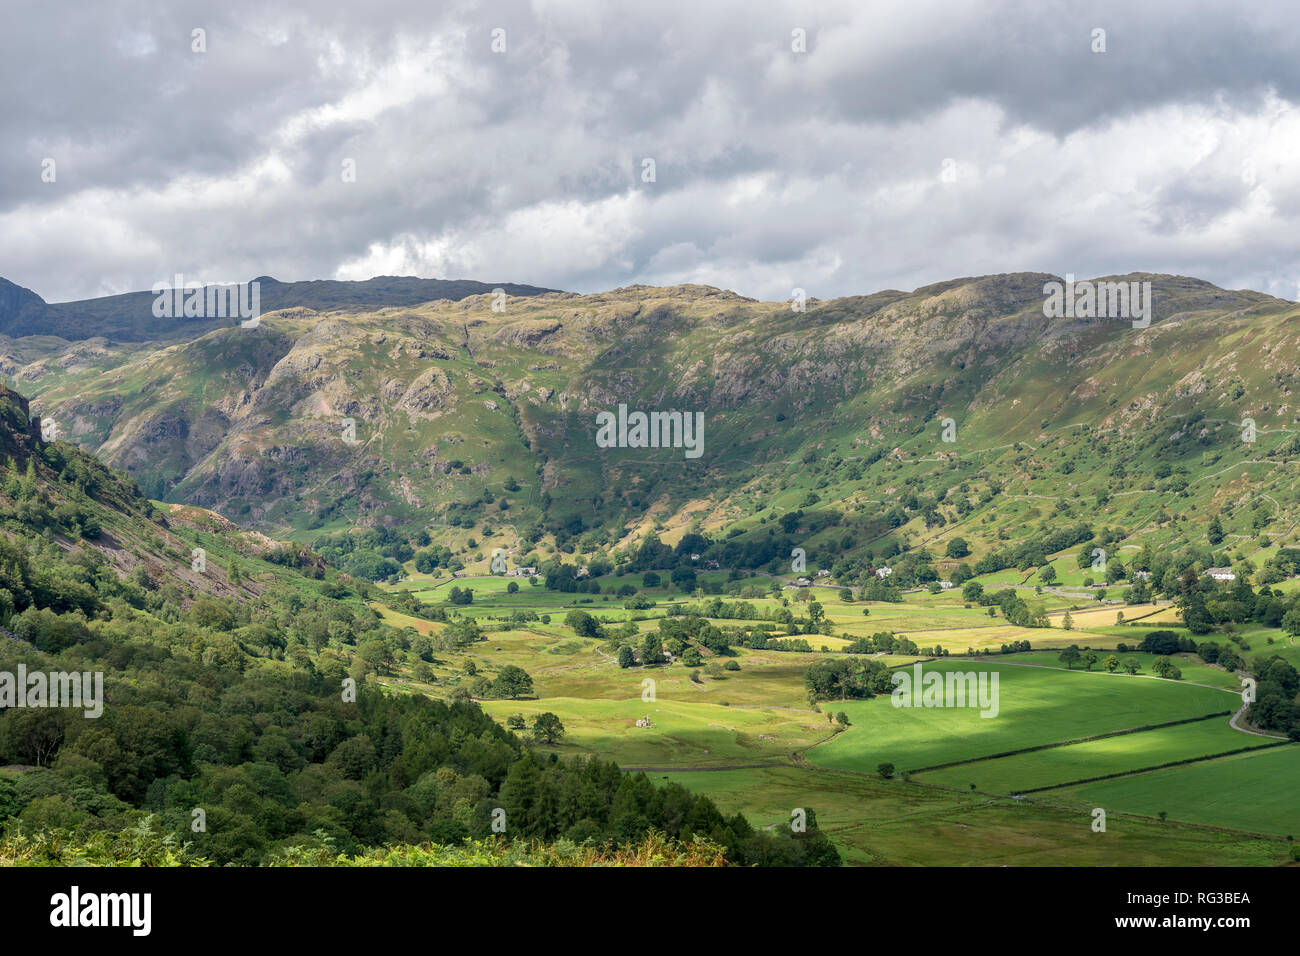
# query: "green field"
{"type": "Point", "coordinates": [1095, 758]}
{"type": "Point", "coordinates": [1254, 792]}
{"type": "Point", "coordinates": [682, 734]}
{"type": "Point", "coordinates": [1036, 706]}
{"type": "Point", "coordinates": [1194, 670]}
{"type": "Point", "coordinates": [892, 823]}
{"type": "Point", "coordinates": [750, 739]}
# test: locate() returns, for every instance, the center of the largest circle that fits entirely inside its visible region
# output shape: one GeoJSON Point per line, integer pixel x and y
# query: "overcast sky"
{"type": "Point", "coordinates": [912, 142]}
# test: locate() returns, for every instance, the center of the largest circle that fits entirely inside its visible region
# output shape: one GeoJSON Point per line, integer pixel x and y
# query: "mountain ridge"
{"type": "Point", "coordinates": [129, 316]}
{"type": "Point", "coordinates": [454, 402]}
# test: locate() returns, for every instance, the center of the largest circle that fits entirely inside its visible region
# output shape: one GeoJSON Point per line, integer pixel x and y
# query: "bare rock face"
{"type": "Point", "coordinates": [528, 333]}
{"type": "Point", "coordinates": [429, 395]}
{"type": "Point", "coordinates": [19, 433]}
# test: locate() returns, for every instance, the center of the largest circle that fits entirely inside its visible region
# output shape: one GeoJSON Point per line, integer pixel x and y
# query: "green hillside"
{"type": "Point", "coordinates": [945, 476]}
{"type": "Point", "coordinates": [475, 425]}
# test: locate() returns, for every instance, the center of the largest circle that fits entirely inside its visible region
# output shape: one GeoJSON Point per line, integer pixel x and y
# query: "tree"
{"type": "Point", "coordinates": [516, 722]}
{"type": "Point", "coordinates": [548, 728]}
{"type": "Point", "coordinates": [1214, 531]}
{"type": "Point", "coordinates": [1132, 665]}
{"type": "Point", "coordinates": [958, 548]}
{"type": "Point", "coordinates": [512, 682]}
{"type": "Point", "coordinates": [1070, 656]}
{"type": "Point", "coordinates": [842, 719]}
{"type": "Point", "coordinates": [1111, 663]}
{"type": "Point", "coordinates": [652, 649]}
{"type": "Point", "coordinates": [512, 587]}
{"type": "Point", "coordinates": [1166, 668]}
{"type": "Point", "coordinates": [691, 657]}
{"type": "Point", "coordinates": [885, 769]}
{"type": "Point", "coordinates": [1089, 658]}
{"type": "Point", "coordinates": [583, 624]}
{"type": "Point", "coordinates": [815, 613]}
{"type": "Point", "coordinates": [378, 655]}
{"type": "Point", "coordinates": [1047, 575]}
{"type": "Point", "coordinates": [1067, 622]}
{"type": "Point", "coordinates": [626, 656]}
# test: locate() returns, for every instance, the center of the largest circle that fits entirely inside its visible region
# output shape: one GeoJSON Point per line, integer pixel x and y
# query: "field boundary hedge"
{"type": "Point", "coordinates": [1159, 766]}
{"type": "Point", "coordinates": [1077, 740]}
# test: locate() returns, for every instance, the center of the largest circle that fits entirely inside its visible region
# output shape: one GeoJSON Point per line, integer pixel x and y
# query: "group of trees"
{"type": "Point", "coordinates": [1274, 707]}
{"type": "Point", "coordinates": [1033, 551]}
{"type": "Point", "coordinates": [883, 642]}
{"type": "Point", "coordinates": [1162, 666]}
{"type": "Point", "coordinates": [372, 554]}
{"type": "Point", "coordinates": [1014, 608]}
{"type": "Point", "coordinates": [847, 678]}
{"type": "Point", "coordinates": [257, 712]}
{"type": "Point", "coordinates": [237, 711]}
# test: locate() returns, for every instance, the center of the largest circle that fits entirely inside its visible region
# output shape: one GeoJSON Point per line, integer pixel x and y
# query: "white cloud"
{"type": "Point", "coordinates": [774, 169]}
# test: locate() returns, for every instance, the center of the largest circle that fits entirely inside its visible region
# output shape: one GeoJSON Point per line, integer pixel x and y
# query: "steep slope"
{"type": "Point", "coordinates": [81, 514]}
{"type": "Point", "coordinates": [475, 423]}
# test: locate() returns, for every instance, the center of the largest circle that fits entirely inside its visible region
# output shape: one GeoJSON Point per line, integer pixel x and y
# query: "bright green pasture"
{"type": "Point", "coordinates": [1194, 670]}
{"type": "Point", "coordinates": [1256, 792]}
{"type": "Point", "coordinates": [1036, 706]}
{"type": "Point", "coordinates": [894, 823]}
{"type": "Point", "coordinates": [1095, 758]}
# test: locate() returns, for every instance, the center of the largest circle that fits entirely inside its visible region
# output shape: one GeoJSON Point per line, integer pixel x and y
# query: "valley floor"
{"type": "Point", "coordinates": [1166, 763]}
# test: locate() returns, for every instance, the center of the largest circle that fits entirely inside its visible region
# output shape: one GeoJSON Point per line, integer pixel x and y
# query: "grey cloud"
{"type": "Point", "coordinates": [228, 164]}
